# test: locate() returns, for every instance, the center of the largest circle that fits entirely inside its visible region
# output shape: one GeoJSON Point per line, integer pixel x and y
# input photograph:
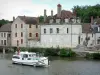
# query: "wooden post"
{"type": "Point", "coordinates": [3, 50]}
{"type": "Point", "coordinates": [18, 50]}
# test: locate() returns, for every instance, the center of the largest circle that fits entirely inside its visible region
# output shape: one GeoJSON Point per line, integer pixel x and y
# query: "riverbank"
{"type": "Point", "coordinates": [61, 52]}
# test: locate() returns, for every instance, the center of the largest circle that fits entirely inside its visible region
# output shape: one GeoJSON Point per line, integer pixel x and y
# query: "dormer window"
{"type": "Point", "coordinates": [58, 21]}
{"type": "Point", "coordinates": [51, 21]}
{"type": "Point", "coordinates": [66, 20]}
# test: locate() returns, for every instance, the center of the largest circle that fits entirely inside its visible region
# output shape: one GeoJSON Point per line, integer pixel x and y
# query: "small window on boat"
{"type": "Point", "coordinates": [29, 55]}
{"type": "Point", "coordinates": [16, 57]}
{"type": "Point", "coordinates": [29, 59]}
{"type": "Point", "coordinates": [25, 56]}
{"type": "Point", "coordinates": [33, 55]}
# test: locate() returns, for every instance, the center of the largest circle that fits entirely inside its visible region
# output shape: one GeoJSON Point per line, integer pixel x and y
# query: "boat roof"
{"type": "Point", "coordinates": [27, 52]}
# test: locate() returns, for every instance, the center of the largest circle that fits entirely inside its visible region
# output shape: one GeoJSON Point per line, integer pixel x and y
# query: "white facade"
{"type": "Point", "coordinates": [5, 38]}
{"type": "Point", "coordinates": [65, 38]}
{"type": "Point", "coordinates": [94, 39]}
{"type": "Point", "coordinates": [23, 33]}
{"type": "Point", "coordinates": [18, 30]}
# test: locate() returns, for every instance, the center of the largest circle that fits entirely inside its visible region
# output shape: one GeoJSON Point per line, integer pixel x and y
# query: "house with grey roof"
{"type": "Point", "coordinates": [25, 31]}
{"type": "Point", "coordinates": [63, 29]}
{"type": "Point", "coordinates": [5, 35]}
{"type": "Point", "coordinates": [91, 32]}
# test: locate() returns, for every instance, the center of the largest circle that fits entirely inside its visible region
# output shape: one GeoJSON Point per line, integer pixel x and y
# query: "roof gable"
{"type": "Point", "coordinates": [6, 28]}
{"type": "Point", "coordinates": [28, 20]}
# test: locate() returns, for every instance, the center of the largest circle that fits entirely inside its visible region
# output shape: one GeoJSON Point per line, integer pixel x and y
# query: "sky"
{"type": "Point", "coordinates": [34, 8]}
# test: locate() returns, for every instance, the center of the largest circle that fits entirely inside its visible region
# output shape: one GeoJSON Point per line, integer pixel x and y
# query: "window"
{"type": "Point", "coordinates": [92, 34]}
{"type": "Point", "coordinates": [21, 41]}
{"type": "Point", "coordinates": [4, 42]}
{"type": "Point", "coordinates": [17, 43]}
{"type": "Point", "coordinates": [98, 41]}
{"type": "Point", "coordinates": [4, 34]}
{"type": "Point", "coordinates": [15, 25]}
{"type": "Point", "coordinates": [1, 34]}
{"type": "Point", "coordinates": [21, 34]}
{"type": "Point", "coordinates": [51, 30]}
{"type": "Point", "coordinates": [9, 35]}
{"type": "Point", "coordinates": [36, 34]}
{"type": "Point", "coordinates": [57, 30]}
{"type": "Point", "coordinates": [15, 34]}
{"type": "Point", "coordinates": [21, 25]}
{"type": "Point", "coordinates": [16, 57]}
{"type": "Point", "coordinates": [1, 42]}
{"type": "Point", "coordinates": [44, 30]}
{"type": "Point", "coordinates": [25, 56]}
{"type": "Point", "coordinates": [30, 34]}
{"type": "Point", "coordinates": [29, 59]}
{"type": "Point", "coordinates": [67, 30]}
{"type": "Point", "coordinates": [36, 26]}
{"type": "Point", "coordinates": [30, 26]}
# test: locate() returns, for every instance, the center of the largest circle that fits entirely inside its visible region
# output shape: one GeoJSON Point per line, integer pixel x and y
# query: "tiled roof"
{"type": "Point", "coordinates": [65, 14]}
{"type": "Point", "coordinates": [6, 28]}
{"type": "Point", "coordinates": [29, 20]}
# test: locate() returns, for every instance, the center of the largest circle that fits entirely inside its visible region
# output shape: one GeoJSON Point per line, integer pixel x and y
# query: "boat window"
{"type": "Point", "coordinates": [29, 55]}
{"type": "Point", "coordinates": [16, 57]}
{"type": "Point", "coordinates": [25, 56]}
{"type": "Point", "coordinates": [29, 59]}
{"type": "Point", "coordinates": [33, 55]}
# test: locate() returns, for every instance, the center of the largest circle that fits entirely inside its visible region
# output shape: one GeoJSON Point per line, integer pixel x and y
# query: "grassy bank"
{"type": "Point", "coordinates": [62, 52]}
{"type": "Point", "coordinates": [93, 56]}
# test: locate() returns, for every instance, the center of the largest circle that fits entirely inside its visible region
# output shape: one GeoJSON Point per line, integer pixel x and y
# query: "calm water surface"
{"type": "Point", "coordinates": [58, 66]}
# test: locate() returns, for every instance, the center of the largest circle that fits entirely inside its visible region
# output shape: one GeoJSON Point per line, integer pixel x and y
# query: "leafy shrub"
{"type": "Point", "coordinates": [89, 56]}
{"type": "Point", "coordinates": [96, 55]}
{"type": "Point", "coordinates": [67, 52]}
{"type": "Point", "coordinates": [51, 52]}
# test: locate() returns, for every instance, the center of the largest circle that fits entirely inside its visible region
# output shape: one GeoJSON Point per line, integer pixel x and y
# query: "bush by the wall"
{"type": "Point", "coordinates": [96, 55]}
{"type": "Point", "coordinates": [51, 52]}
{"type": "Point", "coordinates": [93, 55]}
{"type": "Point", "coordinates": [67, 52]}
{"type": "Point", "coordinates": [89, 56]}
{"type": "Point", "coordinates": [63, 52]}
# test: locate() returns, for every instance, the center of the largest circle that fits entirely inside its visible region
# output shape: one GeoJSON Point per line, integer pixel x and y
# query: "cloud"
{"type": "Point", "coordinates": [10, 8]}
{"type": "Point", "coordinates": [21, 7]}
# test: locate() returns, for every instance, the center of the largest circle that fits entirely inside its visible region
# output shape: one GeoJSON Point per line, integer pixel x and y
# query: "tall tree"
{"type": "Point", "coordinates": [2, 22]}
{"type": "Point", "coordinates": [41, 19]}
{"type": "Point", "coordinates": [85, 12]}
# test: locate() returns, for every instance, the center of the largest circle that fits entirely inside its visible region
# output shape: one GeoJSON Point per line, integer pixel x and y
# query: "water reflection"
{"type": "Point", "coordinates": [58, 66]}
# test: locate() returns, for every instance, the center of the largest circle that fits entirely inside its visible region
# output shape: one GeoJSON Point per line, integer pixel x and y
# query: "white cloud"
{"type": "Point", "coordinates": [12, 8]}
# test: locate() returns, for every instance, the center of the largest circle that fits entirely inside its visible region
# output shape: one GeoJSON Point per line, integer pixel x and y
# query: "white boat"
{"type": "Point", "coordinates": [30, 58]}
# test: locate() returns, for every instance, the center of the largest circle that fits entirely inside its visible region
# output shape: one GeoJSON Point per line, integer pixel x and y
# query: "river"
{"type": "Point", "coordinates": [58, 66]}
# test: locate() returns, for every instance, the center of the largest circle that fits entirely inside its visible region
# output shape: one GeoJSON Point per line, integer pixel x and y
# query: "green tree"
{"type": "Point", "coordinates": [3, 21]}
{"type": "Point", "coordinates": [41, 19]}
{"type": "Point", "coordinates": [85, 12]}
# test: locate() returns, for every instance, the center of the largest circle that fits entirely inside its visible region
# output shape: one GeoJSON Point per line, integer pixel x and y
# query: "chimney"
{"type": "Point", "coordinates": [58, 10]}
{"type": "Point", "coordinates": [51, 13]}
{"type": "Point", "coordinates": [44, 15]}
{"type": "Point", "coordinates": [91, 19]}
{"type": "Point", "coordinates": [74, 13]}
{"type": "Point", "coordinates": [13, 18]}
